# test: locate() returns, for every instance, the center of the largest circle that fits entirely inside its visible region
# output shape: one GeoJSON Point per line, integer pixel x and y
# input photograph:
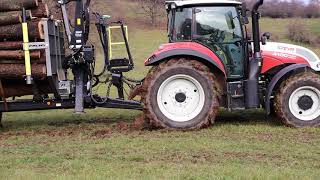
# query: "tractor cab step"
{"type": "Point", "coordinates": [235, 95]}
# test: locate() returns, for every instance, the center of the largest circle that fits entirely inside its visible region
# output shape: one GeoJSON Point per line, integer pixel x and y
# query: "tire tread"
{"type": "Point", "coordinates": [156, 71]}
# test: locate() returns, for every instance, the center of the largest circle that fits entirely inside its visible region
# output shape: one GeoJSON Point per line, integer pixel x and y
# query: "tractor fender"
{"type": "Point", "coordinates": [192, 49]}
{"type": "Point", "coordinates": [277, 79]}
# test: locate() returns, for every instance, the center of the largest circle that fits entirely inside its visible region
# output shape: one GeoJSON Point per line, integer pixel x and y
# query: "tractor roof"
{"type": "Point", "coordinates": [180, 3]}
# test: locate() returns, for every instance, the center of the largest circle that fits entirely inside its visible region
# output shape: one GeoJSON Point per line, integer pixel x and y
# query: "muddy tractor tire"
{"type": "Point", "coordinates": [181, 94]}
{"type": "Point", "coordinates": [297, 102]}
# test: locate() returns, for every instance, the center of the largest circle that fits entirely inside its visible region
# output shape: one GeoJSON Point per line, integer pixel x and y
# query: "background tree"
{"type": "Point", "coordinates": [288, 9]}
{"type": "Point", "coordinates": [152, 9]}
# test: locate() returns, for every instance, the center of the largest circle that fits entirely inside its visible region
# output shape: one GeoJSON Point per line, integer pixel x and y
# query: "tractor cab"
{"type": "Point", "coordinates": [215, 24]}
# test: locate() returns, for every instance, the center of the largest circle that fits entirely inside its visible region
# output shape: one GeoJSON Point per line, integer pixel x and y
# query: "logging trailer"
{"type": "Point", "coordinates": [211, 61]}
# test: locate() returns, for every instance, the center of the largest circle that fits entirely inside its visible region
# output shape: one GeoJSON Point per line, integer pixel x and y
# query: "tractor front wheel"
{"type": "Point", "coordinates": [297, 102]}
{"type": "Point", "coordinates": [181, 94]}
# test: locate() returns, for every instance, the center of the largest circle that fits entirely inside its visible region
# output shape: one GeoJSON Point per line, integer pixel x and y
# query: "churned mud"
{"type": "Point", "coordinates": [76, 128]}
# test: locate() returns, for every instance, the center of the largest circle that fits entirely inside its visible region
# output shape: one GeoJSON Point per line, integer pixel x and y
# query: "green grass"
{"type": "Point", "coordinates": [241, 145]}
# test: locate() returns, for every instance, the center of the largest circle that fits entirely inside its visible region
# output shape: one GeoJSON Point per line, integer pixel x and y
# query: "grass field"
{"type": "Point", "coordinates": [95, 146]}
{"type": "Point", "coordinates": [100, 144]}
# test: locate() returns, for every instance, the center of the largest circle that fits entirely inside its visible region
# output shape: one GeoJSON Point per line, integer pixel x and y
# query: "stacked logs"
{"type": "Point", "coordinates": [11, 45]}
{"type": "Point", "coordinates": [12, 56]}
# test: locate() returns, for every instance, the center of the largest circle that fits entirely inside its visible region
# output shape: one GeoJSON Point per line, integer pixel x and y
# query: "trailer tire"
{"type": "Point", "coordinates": [297, 101]}
{"type": "Point", "coordinates": [193, 104]}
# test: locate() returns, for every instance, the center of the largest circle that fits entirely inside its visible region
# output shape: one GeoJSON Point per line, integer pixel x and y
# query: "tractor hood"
{"type": "Point", "coordinates": [280, 53]}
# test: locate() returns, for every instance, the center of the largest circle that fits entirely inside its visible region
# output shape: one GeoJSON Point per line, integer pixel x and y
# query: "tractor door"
{"type": "Point", "coordinates": [219, 28]}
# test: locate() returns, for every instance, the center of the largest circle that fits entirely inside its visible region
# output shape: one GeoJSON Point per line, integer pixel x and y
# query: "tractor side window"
{"type": "Point", "coordinates": [183, 24]}
{"type": "Point", "coordinates": [219, 28]}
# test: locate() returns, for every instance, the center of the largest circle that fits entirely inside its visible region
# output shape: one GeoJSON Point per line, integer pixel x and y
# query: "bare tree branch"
{"type": "Point", "coordinates": [151, 9]}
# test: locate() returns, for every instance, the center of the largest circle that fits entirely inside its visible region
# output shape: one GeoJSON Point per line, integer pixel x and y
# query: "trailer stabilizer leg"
{"type": "Point", "coordinates": [117, 81]}
{"type": "Point", "coordinates": [79, 95]}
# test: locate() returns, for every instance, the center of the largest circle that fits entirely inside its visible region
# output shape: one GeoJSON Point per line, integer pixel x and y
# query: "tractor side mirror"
{"type": "Point", "coordinates": [229, 19]}
{"type": "Point", "coordinates": [244, 11]}
{"type": "Point", "coordinates": [265, 37]}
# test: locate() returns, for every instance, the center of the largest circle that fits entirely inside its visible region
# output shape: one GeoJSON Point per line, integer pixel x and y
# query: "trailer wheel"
{"type": "Point", "coordinates": [181, 94]}
{"type": "Point", "coordinates": [297, 102]}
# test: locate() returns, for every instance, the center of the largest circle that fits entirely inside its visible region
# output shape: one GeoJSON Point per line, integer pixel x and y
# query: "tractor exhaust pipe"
{"type": "Point", "coordinates": [255, 26]}
{"type": "Point", "coordinates": [252, 84]}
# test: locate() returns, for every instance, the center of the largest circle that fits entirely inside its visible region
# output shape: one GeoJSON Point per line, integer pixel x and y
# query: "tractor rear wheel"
{"type": "Point", "coordinates": [181, 94]}
{"type": "Point", "coordinates": [297, 102]}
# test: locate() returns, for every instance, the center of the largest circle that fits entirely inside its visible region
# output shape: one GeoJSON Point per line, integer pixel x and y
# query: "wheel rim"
{"type": "Point", "coordinates": [181, 98]}
{"type": "Point", "coordinates": [304, 103]}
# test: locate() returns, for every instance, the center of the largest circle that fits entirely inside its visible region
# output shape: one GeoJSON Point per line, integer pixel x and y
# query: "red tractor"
{"type": "Point", "coordinates": [210, 62]}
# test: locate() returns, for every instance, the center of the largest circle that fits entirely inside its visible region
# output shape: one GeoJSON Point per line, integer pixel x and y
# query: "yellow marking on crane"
{"type": "Point", "coordinates": [78, 21]}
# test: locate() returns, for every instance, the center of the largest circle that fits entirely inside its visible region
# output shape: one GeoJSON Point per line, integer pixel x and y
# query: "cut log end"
{"type": "Point", "coordinates": [41, 30]}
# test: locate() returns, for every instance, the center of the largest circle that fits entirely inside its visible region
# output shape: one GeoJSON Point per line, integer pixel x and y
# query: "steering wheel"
{"type": "Point", "coordinates": [217, 36]}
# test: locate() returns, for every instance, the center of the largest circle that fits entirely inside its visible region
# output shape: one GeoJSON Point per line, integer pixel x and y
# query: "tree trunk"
{"type": "Point", "coordinates": [14, 32]}
{"type": "Point", "coordinates": [18, 71]}
{"type": "Point", "coordinates": [18, 55]}
{"type": "Point", "coordinates": [16, 5]}
{"type": "Point", "coordinates": [42, 11]}
{"type": "Point", "coordinates": [13, 17]}
{"type": "Point", "coordinates": [11, 45]}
